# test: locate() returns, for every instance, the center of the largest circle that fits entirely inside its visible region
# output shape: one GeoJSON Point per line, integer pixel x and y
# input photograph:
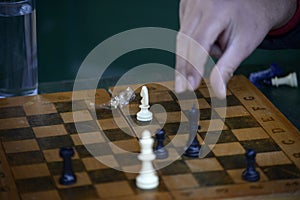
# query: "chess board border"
{"type": "Point", "coordinates": [269, 117]}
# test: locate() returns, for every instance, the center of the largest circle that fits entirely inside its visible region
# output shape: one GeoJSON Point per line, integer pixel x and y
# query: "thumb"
{"type": "Point", "coordinates": [225, 67]}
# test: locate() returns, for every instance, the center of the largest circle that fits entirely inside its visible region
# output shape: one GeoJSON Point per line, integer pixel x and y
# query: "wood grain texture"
{"type": "Point", "coordinates": [31, 165]}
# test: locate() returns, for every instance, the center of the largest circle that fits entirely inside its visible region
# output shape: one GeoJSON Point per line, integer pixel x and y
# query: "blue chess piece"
{"type": "Point", "coordinates": [193, 144]}
{"type": "Point", "coordinates": [265, 76]}
{"type": "Point", "coordinates": [160, 151]}
{"type": "Point", "coordinates": [250, 173]}
{"type": "Point", "coordinates": [68, 177]}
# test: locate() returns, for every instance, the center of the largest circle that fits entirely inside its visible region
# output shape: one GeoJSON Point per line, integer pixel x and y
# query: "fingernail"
{"type": "Point", "coordinates": [192, 83]}
{"type": "Point", "coordinates": [179, 84]}
{"type": "Point", "coordinates": [218, 83]}
{"type": "Point", "coordinates": [223, 84]}
{"type": "Point", "coordinates": [221, 94]}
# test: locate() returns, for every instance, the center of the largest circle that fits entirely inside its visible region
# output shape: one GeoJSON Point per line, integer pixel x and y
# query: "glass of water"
{"type": "Point", "coordinates": [18, 48]}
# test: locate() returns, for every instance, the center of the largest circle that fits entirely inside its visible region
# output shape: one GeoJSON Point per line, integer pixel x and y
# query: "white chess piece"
{"type": "Point", "coordinates": [144, 114]}
{"type": "Point", "coordinates": [147, 178]}
{"type": "Point", "coordinates": [290, 80]}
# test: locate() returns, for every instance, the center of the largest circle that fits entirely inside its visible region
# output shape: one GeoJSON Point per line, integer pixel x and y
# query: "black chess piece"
{"type": "Point", "coordinates": [68, 177]}
{"type": "Point", "coordinates": [160, 150]}
{"type": "Point", "coordinates": [193, 143]}
{"type": "Point", "coordinates": [250, 174]}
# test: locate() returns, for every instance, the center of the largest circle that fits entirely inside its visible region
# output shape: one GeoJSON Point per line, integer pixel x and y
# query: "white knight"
{"type": "Point", "coordinates": [144, 114]}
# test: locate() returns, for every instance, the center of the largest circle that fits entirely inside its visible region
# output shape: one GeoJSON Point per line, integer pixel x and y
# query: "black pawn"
{"type": "Point", "coordinates": [193, 143]}
{"type": "Point", "coordinates": [68, 177]}
{"type": "Point", "coordinates": [250, 174]}
{"type": "Point", "coordinates": [160, 151]}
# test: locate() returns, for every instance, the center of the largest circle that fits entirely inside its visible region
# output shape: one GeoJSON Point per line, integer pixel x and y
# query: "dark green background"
{"type": "Point", "coordinates": [69, 29]}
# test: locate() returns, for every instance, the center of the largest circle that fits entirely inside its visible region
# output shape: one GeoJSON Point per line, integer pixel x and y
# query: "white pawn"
{"type": "Point", "coordinates": [290, 80]}
{"type": "Point", "coordinates": [147, 178]}
{"type": "Point", "coordinates": [144, 114]}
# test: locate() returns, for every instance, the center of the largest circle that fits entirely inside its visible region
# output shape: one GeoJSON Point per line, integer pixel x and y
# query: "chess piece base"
{"type": "Point", "coordinates": [144, 115]}
{"type": "Point", "coordinates": [67, 179]}
{"type": "Point", "coordinates": [161, 153]}
{"type": "Point", "coordinates": [192, 152]}
{"type": "Point", "coordinates": [251, 176]}
{"type": "Point", "coordinates": [147, 181]}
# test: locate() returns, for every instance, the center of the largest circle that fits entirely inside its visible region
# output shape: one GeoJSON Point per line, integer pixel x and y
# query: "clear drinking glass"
{"type": "Point", "coordinates": [18, 48]}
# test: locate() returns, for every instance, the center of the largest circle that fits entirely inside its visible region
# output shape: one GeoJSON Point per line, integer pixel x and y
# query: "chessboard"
{"type": "Point", "coordinates": [106, 145]}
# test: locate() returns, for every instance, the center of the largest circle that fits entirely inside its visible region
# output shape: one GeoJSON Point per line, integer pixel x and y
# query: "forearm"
{"type": "Point", "coordinates": [287, 34]}
{"type": "Point", "coordinates": [284, 11]}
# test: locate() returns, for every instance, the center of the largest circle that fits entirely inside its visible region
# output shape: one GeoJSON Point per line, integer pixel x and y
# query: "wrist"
{"type": "Point", "coordinates": [288, 25]}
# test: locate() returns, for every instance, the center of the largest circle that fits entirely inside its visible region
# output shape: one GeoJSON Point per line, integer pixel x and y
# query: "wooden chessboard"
{"type": "Point", "coordinates": [33, 129]}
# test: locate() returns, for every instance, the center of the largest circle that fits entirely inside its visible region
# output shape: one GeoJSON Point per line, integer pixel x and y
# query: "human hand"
{"type": "Point", "coordinates": [227, 29]}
